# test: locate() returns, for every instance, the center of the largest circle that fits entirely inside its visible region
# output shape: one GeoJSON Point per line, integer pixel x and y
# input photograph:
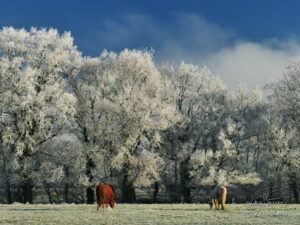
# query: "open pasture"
{"type": "Point", "coordinates": [68, 214]}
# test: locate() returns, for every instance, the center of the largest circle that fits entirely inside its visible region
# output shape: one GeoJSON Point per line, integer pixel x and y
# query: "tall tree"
{"type": "Point", "coordinates": [208, 131]}
{"type": "Point", "coordinates": [34, 66]}
{"type": "Point", "coordinates": [139, 104]}
{"type": "Point", "coordinates": [92, 128]}
{"type": "Point", "coordinates": [284, 98]}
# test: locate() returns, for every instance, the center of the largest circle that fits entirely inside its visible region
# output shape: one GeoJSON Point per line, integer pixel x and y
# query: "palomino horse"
{"type": "Point", "coordinates": [105, 196]}
{"type": "Point", "coordinates": [217, 197]}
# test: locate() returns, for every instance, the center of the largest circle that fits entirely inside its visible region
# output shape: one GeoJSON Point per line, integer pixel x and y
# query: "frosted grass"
{"type": "Point", "coordinates": [137, 214]}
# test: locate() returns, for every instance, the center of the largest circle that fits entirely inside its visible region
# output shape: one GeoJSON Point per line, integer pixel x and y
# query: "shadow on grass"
{"type": "Point", "coordinates": [43, 209]}
{"type": "Point", "coordinates": [180, 209]}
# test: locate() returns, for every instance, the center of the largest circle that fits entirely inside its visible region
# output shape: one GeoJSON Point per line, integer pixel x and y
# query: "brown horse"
{"type": "Point", "coordinates": [105, 196]}
{"type": "Point", "coordinates": [217, 197]}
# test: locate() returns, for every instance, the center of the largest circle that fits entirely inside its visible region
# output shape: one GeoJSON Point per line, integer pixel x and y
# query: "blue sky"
{"type": "Point", "coordinates": [243, 41]}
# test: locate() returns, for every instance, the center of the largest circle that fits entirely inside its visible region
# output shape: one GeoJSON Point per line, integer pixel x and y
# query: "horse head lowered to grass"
{"type": "Point", "coordinates": [105, 196]}
{"type": "Point", "coordinates": [218, 197]}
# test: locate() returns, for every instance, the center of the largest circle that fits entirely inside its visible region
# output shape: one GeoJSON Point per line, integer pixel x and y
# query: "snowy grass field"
{"type": "Point", "coordinates": [18, 214]}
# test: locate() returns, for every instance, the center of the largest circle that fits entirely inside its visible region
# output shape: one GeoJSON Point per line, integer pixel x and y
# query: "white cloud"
{"type": "Point", "coordinates": [252, 63]}
{"type": "Point", "coordinates": [192, 38]}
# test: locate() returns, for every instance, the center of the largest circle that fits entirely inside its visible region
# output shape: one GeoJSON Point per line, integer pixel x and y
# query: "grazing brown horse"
{"type": "Point", "coordinates": [105, 196]}
{"type": "Point", "coordinates": [217, 197]}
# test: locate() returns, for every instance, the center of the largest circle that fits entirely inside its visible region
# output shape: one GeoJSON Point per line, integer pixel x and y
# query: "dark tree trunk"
{"type": "Point", "coordinates": [293, 187]}
{"type": "Point", "coordinates": [89, 168]}
{"type": "Point", "coordinates": [90, 195]}
{"type": "Point", "coordinates": [271, 190]}
{"type": "Point", "coordinates": [50, 198]}
{"type": "Point", "coordinates": [128, 190]}
{"type": "Point", "coordinates": [279, 192]}
{"type": "Point", "coordinates": [19, 194]}
{"type": "Point", "coordinates": [186, 192]}
{"type": "Point", "coordinates": [176, 172]}
{"type": "Point", "coordinates": [185, 179]}
{"type": "Point", "coordinates": [66, 188]}
{"type": "Point", "coordinates": [66, 193]}
{"type": "Point", "coordinates": [156, 189]}
{"type": "Point", "coordinates": [176, 191]}
{"type": "Point", "coordinates": [27, 191]}
{"type": "Point", "coordinates": [8, 193]}
{"type": "Point", "coordinates": [173, 186]}
{"type": "Point", "coordinates": [90, 191]}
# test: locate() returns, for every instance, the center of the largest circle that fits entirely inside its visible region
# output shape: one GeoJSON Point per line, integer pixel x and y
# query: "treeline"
{"type": "Point", "coordinates": [69, 122]}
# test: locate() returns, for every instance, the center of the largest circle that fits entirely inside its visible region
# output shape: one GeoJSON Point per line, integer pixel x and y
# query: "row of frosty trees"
{"type": "Point", "coordinates": [69, 122]}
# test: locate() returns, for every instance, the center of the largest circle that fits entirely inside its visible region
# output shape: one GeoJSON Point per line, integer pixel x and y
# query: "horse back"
{"type": "Point", "coordinates": [218, 191]}
{"type": "Point", "coordinates": [223, 191]}
{"type": "Point", "coordinates": [105, 191]}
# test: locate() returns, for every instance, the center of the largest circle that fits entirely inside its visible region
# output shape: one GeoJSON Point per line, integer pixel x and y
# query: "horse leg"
{"type": "Point", "coordinates": [220, 204]}
{"type": "Point", "coordinates": [220, 201]}
{"type": "Point", "coordinates": [223, 203]}
{"type": "Point", "coordinates": [98, 204]}
{"type": "Point", "coordinates": [223, 198]}
{"type": "Point", "coordinates": [102, 202]}
{"type": "Point", "coordinates": [105, 202]}
{"type": "Point", "coordinates": [216, 204]}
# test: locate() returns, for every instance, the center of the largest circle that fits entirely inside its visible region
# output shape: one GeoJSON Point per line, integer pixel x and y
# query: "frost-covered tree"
{"type": "Point", "coordinates": [283, 126]}
{"type": "Point", "coordinates": [136, 105]}
{"type": "Point", "coordinates": [93, 128]}
{"type": "Point", "coordinates": [217, 156]}
{"type": "Point", "coordinates": [189, 83]}
{"type": "Point", "coordinates": [281, 157]}
{"type": "Point", "coordinates": [67, 167]}
{"type": "Point", "coordinates": [209, 130]}
{"type": "Point", "coordinates": [34, 66]}
{"type": "Point", "coordinates": [123, 103]}
{"type": "Point", "coordinates": [285, 93]}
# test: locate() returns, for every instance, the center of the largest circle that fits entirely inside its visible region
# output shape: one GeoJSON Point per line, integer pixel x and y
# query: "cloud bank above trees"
{"type": "Point", "coordinates": [193, 39]}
